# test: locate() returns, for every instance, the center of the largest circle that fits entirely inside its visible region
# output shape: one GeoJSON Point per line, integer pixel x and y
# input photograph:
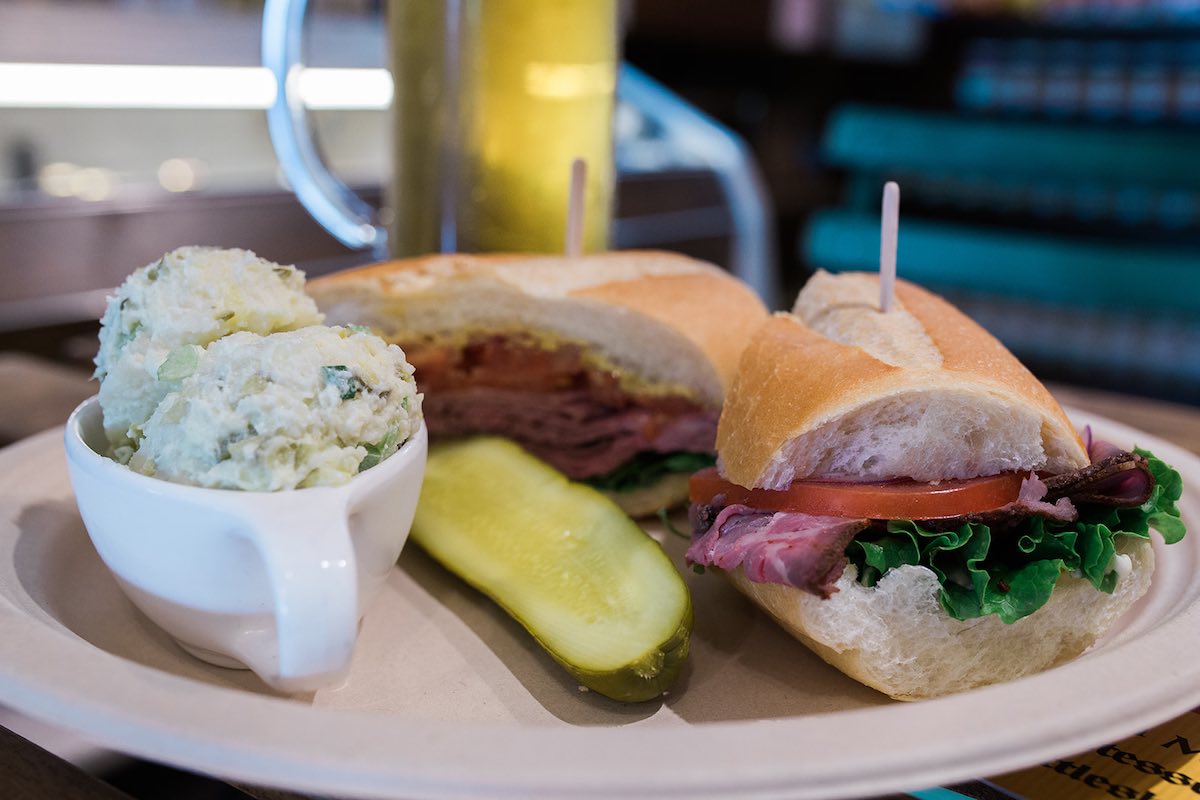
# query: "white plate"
{"type": "Point", "coordinates": [449, 698]}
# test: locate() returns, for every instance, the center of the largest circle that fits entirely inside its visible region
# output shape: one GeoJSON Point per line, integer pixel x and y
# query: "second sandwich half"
{"type": "Point", "coordinates": [901, 494]}
{"type": "Point", "coordinates": [612, 367]}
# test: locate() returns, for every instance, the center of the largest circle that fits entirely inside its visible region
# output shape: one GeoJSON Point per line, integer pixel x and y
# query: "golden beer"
{"type": "Point", "coordinates": [493, 101]}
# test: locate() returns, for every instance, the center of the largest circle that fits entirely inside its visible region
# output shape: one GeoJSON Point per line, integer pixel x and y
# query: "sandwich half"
{"type": "Point", "coordinates": [610, 367]}
{"type": "Point", "coordinates": [904, 497]}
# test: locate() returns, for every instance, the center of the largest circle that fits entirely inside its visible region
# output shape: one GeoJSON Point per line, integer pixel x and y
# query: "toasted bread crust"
{"type": "Point", "coordinates": [799, 395]}
{"type": "Point", "coordinates": [972, 351]}
{"type": "Point", "coordinates": [535, 274]}
{"type": "Point", "coordinates": [659, 314]}
{"type": "Point", "coordinates": [789, 379]}
{"type": "Point", "coordinates": [716, 315]}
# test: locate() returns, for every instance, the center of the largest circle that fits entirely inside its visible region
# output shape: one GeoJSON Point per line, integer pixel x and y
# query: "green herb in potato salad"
{"type": "Point", "coordinates": [343, 380]}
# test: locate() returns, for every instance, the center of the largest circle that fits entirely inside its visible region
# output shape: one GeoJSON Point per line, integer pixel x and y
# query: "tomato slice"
{"type": "Point", "coordinates": [889, 500]}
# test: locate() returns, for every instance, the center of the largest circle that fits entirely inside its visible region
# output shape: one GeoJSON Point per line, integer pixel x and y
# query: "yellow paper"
{"type": "Point", "coordinates": [1161, 764]}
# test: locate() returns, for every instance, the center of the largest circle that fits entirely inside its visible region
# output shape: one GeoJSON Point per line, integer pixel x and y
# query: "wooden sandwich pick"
{"type": "Point", "coordinates": [888, 235]}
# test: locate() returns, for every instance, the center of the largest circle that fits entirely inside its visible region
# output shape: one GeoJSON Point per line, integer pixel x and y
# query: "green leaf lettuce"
{"type": "Point", "coordinates": [1012, 574]}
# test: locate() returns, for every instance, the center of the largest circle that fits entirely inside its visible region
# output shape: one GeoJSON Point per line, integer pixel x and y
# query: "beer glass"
{"type": "Point", "coordinates": [492, 101]}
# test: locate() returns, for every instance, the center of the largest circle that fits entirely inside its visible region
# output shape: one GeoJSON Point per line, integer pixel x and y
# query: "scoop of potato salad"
{"type": "Point", "coordinates": [215, 371]}
{"type": "Point", "coordinates": [190, 296]}
{"type": "Point", "coordinates": [310, 407]}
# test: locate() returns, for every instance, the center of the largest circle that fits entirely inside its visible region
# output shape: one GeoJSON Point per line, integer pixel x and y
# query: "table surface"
{"type": "Point", "coordinates": [39, 395]}
{"type": "Point", "coordinates": [1178, 424]}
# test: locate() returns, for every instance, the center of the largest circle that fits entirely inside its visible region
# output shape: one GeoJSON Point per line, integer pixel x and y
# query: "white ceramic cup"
{"type": "Point", "coordinates": [272, 581]}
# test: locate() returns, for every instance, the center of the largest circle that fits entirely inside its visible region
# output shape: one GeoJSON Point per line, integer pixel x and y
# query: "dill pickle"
{"type": "Point", "coordinates": [596, 592]}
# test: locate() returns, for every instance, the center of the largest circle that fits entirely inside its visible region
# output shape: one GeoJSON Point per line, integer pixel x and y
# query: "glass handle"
{"type": "Point", "coordinates": [696, 139]}
{"type": "Point", "coordinates": [341, 212]}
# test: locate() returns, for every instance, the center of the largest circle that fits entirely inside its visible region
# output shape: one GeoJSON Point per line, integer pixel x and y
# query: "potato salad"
{"type": "Point", "coordinates": [215, 371]}
{"type": "Point", "coordinates": [190, 296]}
{"type": "Point", "coordinates": [310, 407]}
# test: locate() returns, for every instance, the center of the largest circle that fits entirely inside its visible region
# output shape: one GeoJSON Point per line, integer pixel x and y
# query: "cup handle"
{"type": "Point", "coordinates": [309, 559]}
{"type": "Point", "coordinates": [331, 203]}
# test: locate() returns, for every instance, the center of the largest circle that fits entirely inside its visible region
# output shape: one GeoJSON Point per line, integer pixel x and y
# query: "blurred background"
{"type": "Point", "coordinates": [1048, 153]}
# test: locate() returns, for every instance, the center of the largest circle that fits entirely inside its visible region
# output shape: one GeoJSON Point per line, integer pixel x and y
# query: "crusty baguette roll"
{"type": "Point", "coordinates": [842, 390]}
{"type": "Point", "coordinates": [667, 318]}
{"type": "Point", "coordinates": [896, 638]}
{"type": "Point", "coordinates": [668, 325]}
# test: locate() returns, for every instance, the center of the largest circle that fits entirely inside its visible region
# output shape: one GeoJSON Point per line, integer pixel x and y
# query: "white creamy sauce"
{"type": "Point", "coordinates": [1122, 565]}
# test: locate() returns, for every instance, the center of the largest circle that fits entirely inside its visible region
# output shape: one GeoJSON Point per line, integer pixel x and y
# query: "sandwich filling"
{"type": "Point", "coordinates": [997, 545]}
{"type": "Point", "coordinates": [586, 418]}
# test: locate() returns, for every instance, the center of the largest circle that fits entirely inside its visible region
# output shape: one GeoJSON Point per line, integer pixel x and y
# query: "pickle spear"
{"type": "Point", "coordinates": [563, 560]}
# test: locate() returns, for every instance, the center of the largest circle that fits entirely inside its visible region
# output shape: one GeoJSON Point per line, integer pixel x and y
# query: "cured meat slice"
{"type": "Point", "coordinates": [560, 405]}
{"type": "Point", "coordinates": [800, 550]}
{"type": "Point", "coordinates": [579, 435]}
{"type": "Point", "coordinates": [1117, 479]}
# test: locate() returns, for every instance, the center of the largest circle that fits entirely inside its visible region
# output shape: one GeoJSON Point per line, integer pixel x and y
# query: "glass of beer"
{"type": "Point", "coordinates": [492, 101]}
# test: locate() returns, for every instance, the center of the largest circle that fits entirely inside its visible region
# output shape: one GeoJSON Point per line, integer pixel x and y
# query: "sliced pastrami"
{"type": "Point", "coordinates": [801, 550]}
{"type": "Point", "coordinates": [579, 433]}
{"type": "Point", "coordinates": [1116, 478]}
{"type": "Point", "coordinates": [1030, 501]}
{"type": "Point", "coordinates": [555, 400]}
